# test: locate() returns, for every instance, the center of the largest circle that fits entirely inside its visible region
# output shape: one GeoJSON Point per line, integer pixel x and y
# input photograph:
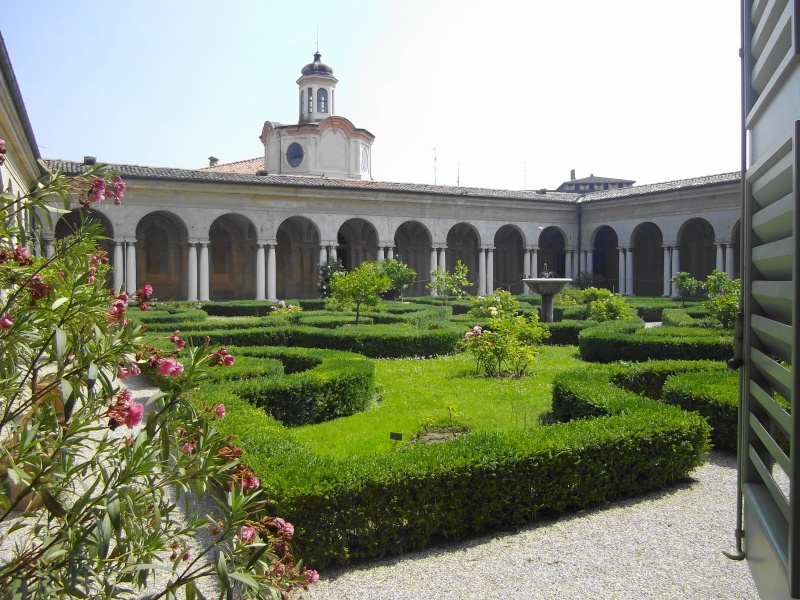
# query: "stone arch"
{"type": "Point", "coordinates": [509, 248]}
{"type": "Point", "coordinates": [232, 256]}
{"type": "Point", "coordinates": [70, 221]}
{"type": "Point", "coordinates": [605, 258]}
{"type": "Point", "coordinates": [412, 245]}
{"type": "Point", "coordinates": [161, 247]}
{"type": "Point", "coordinates": [552, 251]}
{"type": "Point", "coordinates": [697, 251]}
{"type": "Point", "coordinates": [358, 242]}
{"type": "Point", "coordinates": [297, 259]}
{"type": "Point", "coordinates": [648, 260]}
{"type": "Point", "coordinates": [463, 243]}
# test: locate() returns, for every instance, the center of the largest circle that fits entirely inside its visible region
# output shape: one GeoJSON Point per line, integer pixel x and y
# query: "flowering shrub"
{"type": "Point", "coordinates": [507, 346]}
{"type": "Point", "coordinates": [289, 310]}
{"type": "Point", "coordinates": [499, 304]}
{"type": "Point", "coordinates": [326, 273]}
{"type": "Point", "coordinates": [612, 307]}
{"type": "Point", "coordinates": [88, 475]}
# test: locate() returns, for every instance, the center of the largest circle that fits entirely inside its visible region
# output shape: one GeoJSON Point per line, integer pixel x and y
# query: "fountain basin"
{"type": "Point", "coordinates": [547, 287]}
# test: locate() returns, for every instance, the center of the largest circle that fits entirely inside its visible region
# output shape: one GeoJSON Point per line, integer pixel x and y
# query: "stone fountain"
{"type": "Point", "coordinates": [547, 287]}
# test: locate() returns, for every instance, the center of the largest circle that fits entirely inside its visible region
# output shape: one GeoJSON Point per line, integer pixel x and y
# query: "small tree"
{"type": "Point", "coordinates": [723, 298]}
{"type": "Point", "coordinates": [447, 284]}
{"type": "Point", "coordinates": [400, 275]}
{"type": "Point", "coordinates": [362, 286]}
{"type": "Point", "coordinates": [610, 308]}
{"type": "Point", "coordinates": [686, 285]}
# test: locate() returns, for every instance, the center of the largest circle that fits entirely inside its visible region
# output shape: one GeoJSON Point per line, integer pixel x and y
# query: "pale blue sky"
{"type": "Point", "coordinates": [519, 93]}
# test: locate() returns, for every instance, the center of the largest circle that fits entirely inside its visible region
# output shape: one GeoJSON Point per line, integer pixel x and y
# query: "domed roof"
{"type": "Point", "coordinates": [317, 67]}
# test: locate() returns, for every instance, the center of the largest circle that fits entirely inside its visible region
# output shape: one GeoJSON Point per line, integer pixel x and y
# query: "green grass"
{"type": "Point", "coordinates": [440, 392]}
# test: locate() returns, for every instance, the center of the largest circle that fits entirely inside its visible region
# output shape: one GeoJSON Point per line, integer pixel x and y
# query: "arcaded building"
{"type": "Point", "coordinates": [260, 228]}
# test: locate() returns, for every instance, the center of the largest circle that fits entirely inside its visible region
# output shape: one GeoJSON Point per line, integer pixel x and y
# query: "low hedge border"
{"type": "Point", "coordinates": [714, 395]}
{"type": "Point", "coordinates": [375, 341]}
{"type": "Point", "coordinates": [706, 387]}
{"type": "Point", "coordinates": [631, 341]}
{"type": "Point", "coordinates": [341, 384]}
{"type": "Point", "coordinates": [391, 503]}
{"type": "Point", "coordinates": [295, 386]}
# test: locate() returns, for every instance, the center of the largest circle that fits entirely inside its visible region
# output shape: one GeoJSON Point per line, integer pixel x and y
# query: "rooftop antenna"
{"type": "Point", "coordinates": [458, 175]}
{"type": "Point", "coordinates": [317, 37]}
{"type": "Point", "coordinates": [434, 166]}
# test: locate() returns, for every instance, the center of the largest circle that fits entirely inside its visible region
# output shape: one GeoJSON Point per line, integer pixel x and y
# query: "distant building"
{"type": "Point", "coordinates": [592, 184]}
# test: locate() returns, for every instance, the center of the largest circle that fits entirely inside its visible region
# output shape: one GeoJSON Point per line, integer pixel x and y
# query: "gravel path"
{"type": "Point", "coordinates": [666, 545]}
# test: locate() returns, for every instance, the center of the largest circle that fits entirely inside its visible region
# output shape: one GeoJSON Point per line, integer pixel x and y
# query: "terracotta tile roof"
{"type": "Point", "coordinates": [251, 166]}
{"type": "Point", "coordinates": [669, 186]}
{"type": "Point", "coordinates": [211, 176]}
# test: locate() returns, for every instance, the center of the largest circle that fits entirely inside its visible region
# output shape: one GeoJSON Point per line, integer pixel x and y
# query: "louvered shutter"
{"type": "Point", "coordinates": [769, 463]}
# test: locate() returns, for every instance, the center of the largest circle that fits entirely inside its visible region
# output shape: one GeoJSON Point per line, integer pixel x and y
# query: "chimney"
{"type": "Point", "coordinates": [572, 175]}
{"type": "Point", "coordinates": [213, 161]}
{"type": "Point", "coordinates": [89, 160]}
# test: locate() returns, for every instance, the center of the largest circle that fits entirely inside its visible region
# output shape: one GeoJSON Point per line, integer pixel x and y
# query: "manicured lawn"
{"type": "Point", "coordinates": [441, 392]}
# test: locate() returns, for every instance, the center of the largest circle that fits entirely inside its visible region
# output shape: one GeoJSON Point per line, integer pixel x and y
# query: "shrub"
{"type": "Point", "coordinates": [326, 273]}
{"type": "Point", "coordinates": [723, 298]}
{"type": "Point", "coordinates": [611, 308]}
{"type": "Point", "coordinates": [507, 346]}
{"type": "Point", "coordinates": [498, 304]}
{"type": "Point", "coordinates": [100, 508]}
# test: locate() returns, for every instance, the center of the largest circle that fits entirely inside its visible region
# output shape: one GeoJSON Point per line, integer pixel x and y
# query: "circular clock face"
{"type": "Point", "coordinates": [294, 154]}
{"type": "Point", "coordinates": [364, 159]}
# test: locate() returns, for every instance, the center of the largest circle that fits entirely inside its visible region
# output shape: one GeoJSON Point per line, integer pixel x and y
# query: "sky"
{"type": "Point", "coordinates": [502, 94]}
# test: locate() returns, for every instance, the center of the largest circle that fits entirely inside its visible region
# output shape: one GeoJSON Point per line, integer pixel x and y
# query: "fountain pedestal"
{"type": "Point", "coordinates": [547, 287]}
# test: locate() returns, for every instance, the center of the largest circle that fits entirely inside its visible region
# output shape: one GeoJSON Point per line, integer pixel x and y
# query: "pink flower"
{"type": "Point", "coordinates": [285, 528]}
{"type": "Point", "coordinates": [6, 322]}
{"type": "Point", "coordinates": [279, 569]}
{"type": "Point", "coordinates": [247, 534]}
{"type": "Point", "coordinates": [188, 447]}
{"type": "Point", "coordinates": [134, 416]}
{"type": "Point", "coordinates": [185, 556]}
{"type": "Point", "coordinates": [38, 288]}
{"type": "Point", "coordinates": [135, 370]}
{"type": "Point", "coordinates": [177, 340]}
{"type": "Point", "coordinates": [125, 396]}
{"type": "Point", "coordinates": [311, 576]}
{"type": "Point", "coordinates": [22, 256]}
{"type": "Point", "coordinates": [228, 360]}
{"type": "Point", "coordinates": [251, 482]}
{"type": "Point", "coordinates": [169, 366]}
{"type": "Point", "coordinates": [220, 410]}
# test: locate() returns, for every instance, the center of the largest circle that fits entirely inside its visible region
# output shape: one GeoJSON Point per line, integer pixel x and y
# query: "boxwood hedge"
{"type": "Point", "coordinates": [296, 386]}
{"type": "Point", "coordinates": [371, 506]}
{"type": "Point", "coordinates": [630, 341]}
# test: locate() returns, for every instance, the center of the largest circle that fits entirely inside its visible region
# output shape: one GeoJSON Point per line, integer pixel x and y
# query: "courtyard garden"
{"type": "Point", "coordinates": [389, 428]}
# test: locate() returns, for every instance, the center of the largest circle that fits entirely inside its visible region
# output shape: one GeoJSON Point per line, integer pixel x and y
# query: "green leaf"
{"type": "Point", "coordinates": [103, 536]}
{"type": "Point", "coordinates": [113, 509]}
{"type": "Point", "coordinates": [58, 302]}
{"type": "Point", "coordinates": [68, 396]}
{"type": "Point", "coordinates": [244, 578]}
{"type": "Point", "coordinates": [92, 375]}
{"type": "Point", "coordinates": [222, 571]}
{"type": "Point", "coordinates": [60, 342]}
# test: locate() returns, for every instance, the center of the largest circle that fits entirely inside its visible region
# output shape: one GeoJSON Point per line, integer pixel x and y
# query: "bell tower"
{"type": "Point", "coordinates": [316, 93]}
